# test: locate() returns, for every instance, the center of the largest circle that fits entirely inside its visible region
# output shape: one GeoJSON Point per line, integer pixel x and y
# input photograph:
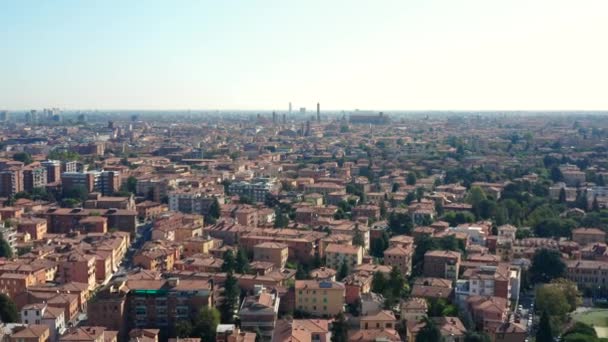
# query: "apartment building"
{"type": "Point", "coordinates": [256, 190]}
{"type": "Point", "coordinates": [64, 220]}
{"type": "Point", "coordinates": [30, 333]}
{"type": "Point", "coordinates": [400, 257]}
{"type": "Point", "coordinates": [319, 298]}
{"type": "Point", "coordinates": [41, 313]}
{"type": "Point", "coordinates": [34, 177]}
{"type": "Point", "coordinates": [194, 201]}
{"type": "Point", "coordinates": [274, 252]}
{"type": "Point", "coordinates": [260, 311]}
{"type": "Point", "coordinates": [587, 274]}
{"type": "Point", "coordinates": [337, 254]}
{"type": "Point", "coordinates": [586, 236]}
{"type": "Point", "coordinates": [442, 264]}
{"type": "Point", "coordinates": [162, 303]}
{"type": "Point", "coordinates": [11, 181]}
{"type": "Point", "coordinates": [35, 227]}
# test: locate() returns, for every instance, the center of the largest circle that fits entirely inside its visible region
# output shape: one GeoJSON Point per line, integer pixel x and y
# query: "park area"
{"type": "Point", "coordinates": [597, 318]}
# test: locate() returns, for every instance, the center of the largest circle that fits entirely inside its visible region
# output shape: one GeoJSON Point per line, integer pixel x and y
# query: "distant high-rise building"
{"type": "Point", "coordinates": [307, 128]}
{"type": "Point", "coordinates": [4, 116]}
{"type": "Point", "coordinates": [31, 117]}
{"type": "Point", "coordinates": [289, 107]}
{"type": "Point", "coordinates": [302, 110]}
{"type": "Point", "coordinates": [34, 177]}
{"type": "Point", "coordinates": [82, 118]}
{"type": "Point", "coordinates": [284, 119]}
{"type": "Point", "coordinates": [274, 117]}
{"type": "Point", "coordinates": [53, 170]}
{"type": "Point", "coordinates": [318, 112]}
{"type": "Point", "coordinates": [111, 124]}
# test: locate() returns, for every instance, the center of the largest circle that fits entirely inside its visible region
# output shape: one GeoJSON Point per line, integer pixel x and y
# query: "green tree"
{"type": "Point", "coordinates": [397, 283]}
{"type": "Point", "coordinates": [5, 249]}
{"type": "Point", "coordinates": [131, 184]}
{"type": "Point", "coordinates": [543, 333]}
{"type": "Point", "coordinates": [476, 195]}
{"type": "Point", "coordinates": [546, 265]}
{"type": "Point", "coordinates": [23, 157]}
{"type": "Point", "coordinates": [400, 223]}
{"type": "Point", "coordinates": [242, 262]}
{"type": "Point", "coordinates": [358, 239]}
{"type": "Point", "coordinates": [580, 329]}
{"type": "Point", "coordinates": [231, 299]}
{"type": "Point", "coordinates": [8, 310]}
{"type": "Point", "coordinates": [379, 282]}
{"type": "Point", "coordinates": [77, 192]}
{"type": "Point", "coordinates": [214, 211]}
{"type": "Point", "coordinates": [280, 220]}
{"type": "Point", "coordinates": [476, 337]}
{"type": "Point", "coordinates": [411, 178]}
{"type": "Point", "coordinates": [245, 200]}
{"type": "Point", "coordinates": [339, 329]}
{"type": "Point", "coordinates": [205, 324]}
{"type": "Point", "coordinates": [556, 174]}
{"type": "Point", "coordinates": [552, 300]}
{"type": "Point", "coordinates": [440, 307]}
{"type": "Point", "coordinates": [554, 227]}
{"type": "Point", "coordinates": [410, 197]}
{"type": "Point", "coordinates": [570, 291]}
{"type": "Point", "coordinates": [183, 328]}
{"type": "Point", "coordinates": [229, 264]}
{"type": "Point", "coordinates": [343, 271]}
{"type": "Point", "coordinates": [429, 333]}
{"type": "Point", "coordinates": [379, 245]}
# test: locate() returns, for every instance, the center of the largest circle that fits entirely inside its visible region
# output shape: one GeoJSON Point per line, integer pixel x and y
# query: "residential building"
{"type": "Point", "coordinates": [586, 236]}
{"type": "Point", "coordinates": [400, 257]}
{"type": "Point", "coordinates": [274, 252]}
{"type": "Point", "coordinates": [383, 319]}
{"type": "Point", "coordinates": [442, 264]}
{"type": "Point", "coordinates": [256, 190]}
{"type": "Point", "coordinates": [30, 333]}
{"type": "Point", "coordinates": [260, 311]}
{"type": "Point", "coordinates": [337, 254]}
{"type": "Point", "coordinates": [319, 298]}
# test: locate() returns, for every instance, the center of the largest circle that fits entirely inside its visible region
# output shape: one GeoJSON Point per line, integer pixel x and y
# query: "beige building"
{"type": "Point", "coordinates": [274, 252]}
{"type": "Point", "coordinates": [337, 254]}
{"type": "Point", "coordinates": [384, 319]}
{"type": "Point", "coordinates": [585, 236]}
{"type": "Point", "coordinates": [588, 273]}
{"type": "Point", "coordinates": [414, 309]}
{"type": "Point", "coordinates": [400, 257]}
{"type": "Point", "coordinates": [320, 298]}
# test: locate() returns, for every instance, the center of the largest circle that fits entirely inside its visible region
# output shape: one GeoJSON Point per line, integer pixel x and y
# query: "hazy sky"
{"type": "Point", "coordinates": [375, 54]}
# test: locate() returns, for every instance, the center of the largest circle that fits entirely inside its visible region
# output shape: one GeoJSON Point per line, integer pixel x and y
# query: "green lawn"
{"type": "Point", "coordinates": [598, 318]}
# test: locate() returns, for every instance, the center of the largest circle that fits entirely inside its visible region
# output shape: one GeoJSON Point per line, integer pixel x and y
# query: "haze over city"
{"type": "Point", "coordinates": [312, 171]}
{"type": "Point", "coordinates": [417, 55]}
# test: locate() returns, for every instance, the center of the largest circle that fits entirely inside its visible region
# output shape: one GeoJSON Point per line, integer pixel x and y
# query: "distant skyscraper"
{"type": "Point", "coordinates": [284, 119]}
{"type": "Point", "coordinates": [274, 117]}
{"type": "Point", "coordinates": [307, 128]}
{"type": "Point", "coordinates": [318, 112]}
{"type": "Point", "coordinates": [302, 110]}
{"type": "Point", "coordinates": [31, 117]}
{"type": "Point", "coordinates": [4, 117]}
{"type": "Point", "coordinates": [289, 107]}
{"type": "Point", "coordinates": [111, 124]}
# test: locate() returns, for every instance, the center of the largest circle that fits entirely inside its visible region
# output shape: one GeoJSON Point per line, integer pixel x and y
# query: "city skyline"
{"type": "Point", "coordinates": [403, 55]}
